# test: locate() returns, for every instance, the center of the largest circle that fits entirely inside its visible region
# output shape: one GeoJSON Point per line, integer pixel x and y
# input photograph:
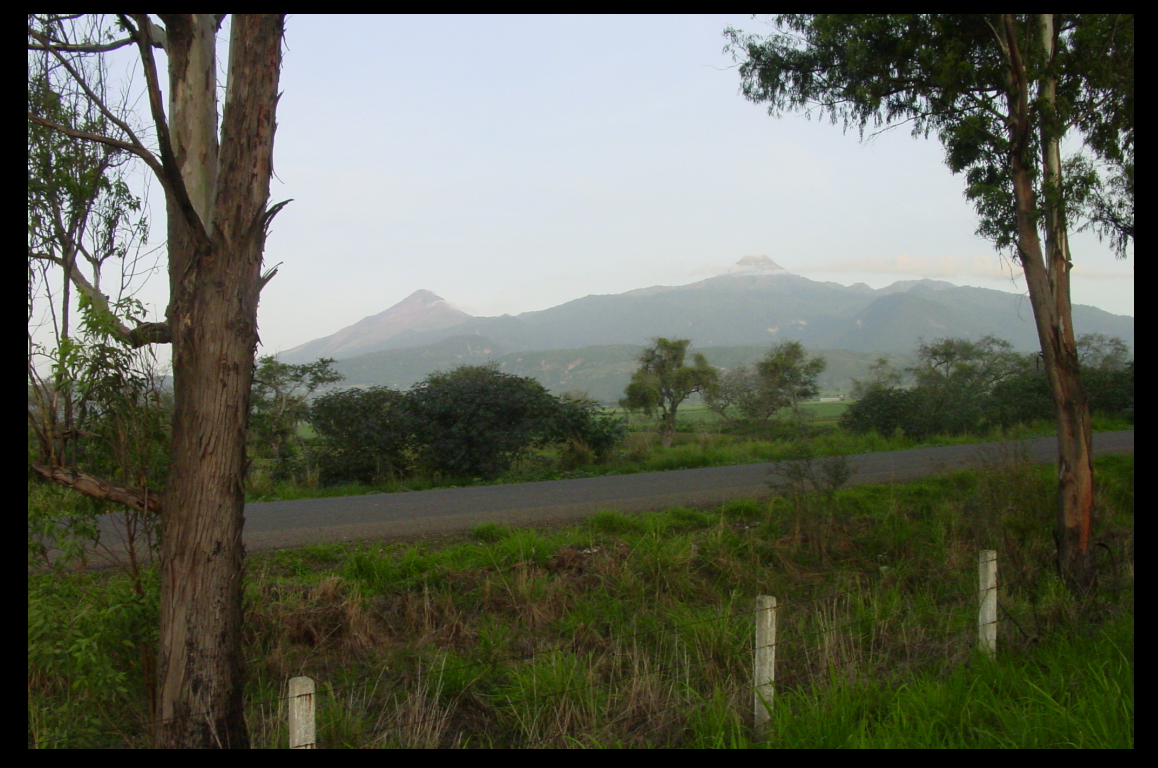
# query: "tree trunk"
{"type": "Point", "coordinates": [1047, 278]}
{"type": "Point", "coordinates": [214, 269]}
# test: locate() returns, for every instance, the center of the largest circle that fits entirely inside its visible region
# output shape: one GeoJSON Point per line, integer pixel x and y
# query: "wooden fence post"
{"type": "Point", "coordinates": [302, 731]}
{"type": "Point", "coordinates": [987, 598]}
{"type": "Point", "coordinates": [765, 662]}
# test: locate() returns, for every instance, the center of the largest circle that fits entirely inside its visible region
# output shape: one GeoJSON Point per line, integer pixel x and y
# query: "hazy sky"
{"type": "Point", "coordinates": [515, 163]}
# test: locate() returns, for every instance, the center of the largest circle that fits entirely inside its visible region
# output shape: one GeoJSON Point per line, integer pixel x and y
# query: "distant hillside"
{"type": "Point", "coordinates": [591, 342]}
{"type": "Point", "coordinates": [739, 309]}
{"type": "Point", "coordinates": [601, 372]}
{"type": "Point", "coordinates": [399, 368]}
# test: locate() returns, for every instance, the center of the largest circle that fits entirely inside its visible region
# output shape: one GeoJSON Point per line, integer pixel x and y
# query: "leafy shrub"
{"type": "Point", "coordinates": [580, 424]}
{"type": "Point", "coordinates": [1021, 399]}
{"type": "Point", "coordinates": [365, 434]}
{"type": "Point", "coordinates": [884, 410]}
{"type": "Point", "coordinates": [90, 651]}
{"type": "Point", "coordinates": [475, 420]}
{"type": "Point", "coordinates": [1111, 392]}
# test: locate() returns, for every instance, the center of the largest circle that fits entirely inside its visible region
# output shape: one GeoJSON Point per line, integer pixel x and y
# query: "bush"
{"type": "Point", "coordinates": [1111, 392]}
{"type": "Point", "coordinates": [582, 426]}
{"type": "Point", "coordinates": [1021, 399]}
{"type": "Point", "coordinates": [884, 410]}
{"type": "Point", "coordinates": [365, 435]}
{"type": "Point", "coordinates": [475, 420]}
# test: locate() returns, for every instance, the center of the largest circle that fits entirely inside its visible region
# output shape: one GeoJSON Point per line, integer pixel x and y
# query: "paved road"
{"type": "Point", "coordinates": [281, 524]}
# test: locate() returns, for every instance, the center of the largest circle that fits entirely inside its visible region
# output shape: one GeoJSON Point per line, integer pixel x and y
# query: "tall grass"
{"type": "Point", "coordinates": [636, 630]}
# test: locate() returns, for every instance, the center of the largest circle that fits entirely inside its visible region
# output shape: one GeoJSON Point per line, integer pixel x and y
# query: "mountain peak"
{"type": "Point", "coordinates": [755, 265]}
{"type": "Point", "coordinates": [422, 310]}
{"type": "Point", "coordinates": [421, 296]}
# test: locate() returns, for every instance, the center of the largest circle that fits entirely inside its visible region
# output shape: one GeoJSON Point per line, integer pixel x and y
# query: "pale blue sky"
{"type": "Point", "coordinates": [514, 163]}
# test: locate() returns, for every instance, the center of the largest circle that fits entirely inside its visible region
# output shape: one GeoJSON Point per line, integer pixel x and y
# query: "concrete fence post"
{"type": "Point", "coordinates": [987, 599]}
{"type": "Point", "coordinates": [302, 728]}
{"type": "Point", "coordinates": [765, 662]}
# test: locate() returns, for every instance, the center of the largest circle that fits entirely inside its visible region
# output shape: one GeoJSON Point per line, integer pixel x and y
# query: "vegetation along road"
{"type": "Point", "coordinates": [282, 524]}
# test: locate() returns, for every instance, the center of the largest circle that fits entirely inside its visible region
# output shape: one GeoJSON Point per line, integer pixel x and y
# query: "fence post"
{"type": "Point", "coordinates": [302, 731]}
{"type": "Point", "coordinates": [987, 598]}
{"type": "Point", "coordinates": [765, 662]}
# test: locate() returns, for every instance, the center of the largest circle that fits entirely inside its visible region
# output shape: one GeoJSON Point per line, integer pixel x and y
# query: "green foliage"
{"type": "Point", "coordinates": [663, 382]}
{"type": "Point", "coordinates": [103, 413]}
{"type": "Point", "coordinates": [962, 386]}
{"type": "Point", "coordinates": [365, 434]}
{"type": "Point", "coordinates": [278, 403]}
{"type": "Point", "coordinates": [883, 410]}
{"type": "Point", "coordinates": [1097, 351]}
{"type": "Point", "coordinates": [789, 373]}
{"type": "Point", "coordinates": [784, 377]}
{"type": "Point", "coordinates": [955, 378]}
{"type": "Point", "coordinates": [89, 648]}
{"type": "Point", "coordinates": [474, 421]}
{"type": "Point", "coordinates": [949, 74]}
{"type": "Point", "coordinates": [1022, 398]}
{"type": "Point", "coordinates": [650, 616]}
{"type": "Point", "coordinates": [580, 423]}
{"type": "Point", "coordinates": [95, 404]}
{"type": "Point", "coordinates": [1111, 392]}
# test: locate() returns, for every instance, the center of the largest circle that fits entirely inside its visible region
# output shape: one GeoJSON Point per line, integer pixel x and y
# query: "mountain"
{"type": "Point", "coordinates": [421, 311]}
{"type": "Point", "coordinates": [755, 305]}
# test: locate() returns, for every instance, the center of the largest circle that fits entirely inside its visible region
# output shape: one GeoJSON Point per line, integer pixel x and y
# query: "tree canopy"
{"type": "Point", "coordinates": [663, 382]}
{"type": "Point", "coordinates": [783, 378]}
{"type": "Point", "coordinates": [953, 75]}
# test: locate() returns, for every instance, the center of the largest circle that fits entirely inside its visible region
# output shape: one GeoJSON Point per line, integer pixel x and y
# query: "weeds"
{"type": "Point", "coordinates": [636, 630]}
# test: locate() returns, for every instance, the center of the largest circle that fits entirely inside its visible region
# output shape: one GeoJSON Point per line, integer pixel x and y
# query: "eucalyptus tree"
{"type": "Point", "coordinates": [215, 167]}
{"type": "Point", "coordinates": [1002, 92]}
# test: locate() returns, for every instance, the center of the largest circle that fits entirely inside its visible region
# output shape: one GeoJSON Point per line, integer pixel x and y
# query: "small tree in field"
{"type": "Point", "coordinates": [279, 402]}
{"type": "Point", "coordinates": [663, 382]}
{"type": "Point", "coordinates": [783, 378]}
{"type": "Point", "coordinates": [788, 375]}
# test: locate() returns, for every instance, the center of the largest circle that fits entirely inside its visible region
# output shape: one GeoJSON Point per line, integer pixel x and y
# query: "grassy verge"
{"type": "Point", "coordinates": [636, 631]}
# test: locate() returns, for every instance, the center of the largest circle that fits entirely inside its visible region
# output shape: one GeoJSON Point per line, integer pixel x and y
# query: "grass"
{"type": "Point", "coordinates": [636, 630]}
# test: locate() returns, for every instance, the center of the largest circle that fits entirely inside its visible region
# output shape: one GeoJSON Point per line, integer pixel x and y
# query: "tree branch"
{"type": "Point", "coordinates": [81, 48]}
{"type": "Point", "coordinates": [143, 334]}
{"type": "Point", "coordinates": [139, 499]}
{"type": "Point", "coordinates": [134, 145]}
{"type": "Point", "coordinates": [171, 176]}
{"type": "Point", "coordinates": [139, 151]}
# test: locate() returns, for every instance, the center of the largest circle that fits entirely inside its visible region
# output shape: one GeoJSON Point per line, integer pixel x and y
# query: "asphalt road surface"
{"type": "Point", "coordinates": [448, 511]}
{"type": "Point", "coordinates": [282, 524]}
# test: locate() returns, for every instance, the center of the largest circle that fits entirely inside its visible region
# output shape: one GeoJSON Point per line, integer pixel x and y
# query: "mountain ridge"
{"type": "Point", "coordinates": [758, 304]}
